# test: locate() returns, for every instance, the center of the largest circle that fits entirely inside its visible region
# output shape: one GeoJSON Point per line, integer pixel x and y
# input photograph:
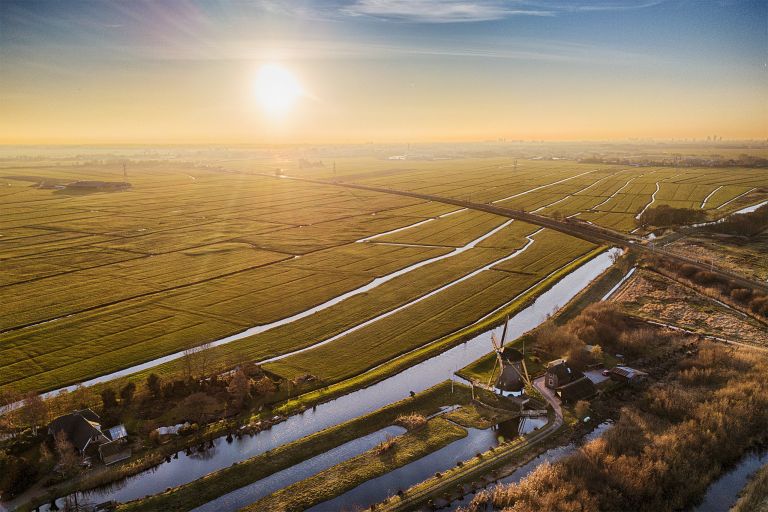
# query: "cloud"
{"type": "Point", "coordinates": [458, 11]}
{"type": "Point", "coordinates": [439, 11]}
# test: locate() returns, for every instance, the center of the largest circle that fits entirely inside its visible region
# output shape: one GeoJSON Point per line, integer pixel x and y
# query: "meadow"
{"type": "Point", "coordinates": [194, 252]}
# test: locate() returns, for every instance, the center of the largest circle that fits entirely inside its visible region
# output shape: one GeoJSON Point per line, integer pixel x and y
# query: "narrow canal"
{"type": "Point", "coordinates": [424, 375]}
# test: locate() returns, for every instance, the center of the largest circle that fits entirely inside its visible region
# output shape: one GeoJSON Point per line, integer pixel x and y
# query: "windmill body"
{"type": "Point", "coordinates": [513, 375]}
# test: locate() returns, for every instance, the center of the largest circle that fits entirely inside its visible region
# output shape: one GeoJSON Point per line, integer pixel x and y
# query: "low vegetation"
{"type": "Point", "coordinates": [751, 300]}
{"type": "Point", "coordinates": [744, 224]}
{"type": "Point", "coordinates": [666, 446]}
{"type": "Point", "coordinates": [665, 215]}
{"type": "Point", "coordinates": [754, 497]}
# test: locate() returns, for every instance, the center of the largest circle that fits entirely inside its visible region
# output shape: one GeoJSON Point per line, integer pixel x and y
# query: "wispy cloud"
{"type": "Point", "coordinates": [439, 11]}
{"type": "Point", "coordinates": [458, 11]}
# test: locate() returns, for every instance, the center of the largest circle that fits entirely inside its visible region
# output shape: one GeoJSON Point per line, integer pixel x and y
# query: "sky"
{"type": "Point", "coordinates": [353, 71]}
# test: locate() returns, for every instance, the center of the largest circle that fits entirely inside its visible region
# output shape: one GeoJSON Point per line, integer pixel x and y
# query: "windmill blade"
{"type": "Point", "coordinates": [504, 332]}
{"type": "Point", "coordinates": [495, 342]}
{"type": "Point", "coordinates": [527, 377]}
{"type": "Point", "coordinates": [493, 370]}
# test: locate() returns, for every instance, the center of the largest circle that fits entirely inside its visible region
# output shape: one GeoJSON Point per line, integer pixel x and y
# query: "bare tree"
{"type": "Point", "coordinates": [68, 459]}
{"type": "Point", "coordinates": [196, 361]}
{"type": "Point", "coordinates": [9, 421]}
{"type": "Point", "coordinates": [82, 397]}
{"type": "Point", "coordinates": [239, 387]}
{"type": "Point", "coordinates": [35, 411]}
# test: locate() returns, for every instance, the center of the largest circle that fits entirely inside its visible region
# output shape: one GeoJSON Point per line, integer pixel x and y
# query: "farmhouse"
{"type": "Point", "coordinates": [81, 427]}
{"type": "Point", "coordinates": [569, 384]}
{"type": "Point", "coordinates": [559, 374]}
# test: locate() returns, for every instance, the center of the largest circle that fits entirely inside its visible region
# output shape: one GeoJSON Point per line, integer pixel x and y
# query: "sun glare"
{"type": "Point", "coordinates": [277, 89]}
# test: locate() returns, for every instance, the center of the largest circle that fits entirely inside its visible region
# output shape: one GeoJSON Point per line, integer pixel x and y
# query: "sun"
{"type": "Point", "coordinates": [277, 89]}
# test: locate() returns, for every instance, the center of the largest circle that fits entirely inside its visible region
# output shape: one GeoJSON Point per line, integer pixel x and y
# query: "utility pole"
{"type": "Point", "coordinates": [125, 171]}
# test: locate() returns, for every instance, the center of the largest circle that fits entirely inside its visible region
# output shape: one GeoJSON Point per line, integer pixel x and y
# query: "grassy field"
{"type": "Point", "coordinates": [194, 252]}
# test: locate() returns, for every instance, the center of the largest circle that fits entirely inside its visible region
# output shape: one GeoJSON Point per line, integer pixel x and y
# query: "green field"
{"type": "Point", "coordinates": [193, 252]}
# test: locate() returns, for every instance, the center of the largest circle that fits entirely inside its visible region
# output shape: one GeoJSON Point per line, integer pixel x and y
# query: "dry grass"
{"type": "Point", "coordinates": [411, 421]}
{"type": "Point", "coordinates": [754, 497]}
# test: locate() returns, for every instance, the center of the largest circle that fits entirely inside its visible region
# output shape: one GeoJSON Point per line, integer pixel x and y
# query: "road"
{"type": "Point", "coordinates": [573, 227]}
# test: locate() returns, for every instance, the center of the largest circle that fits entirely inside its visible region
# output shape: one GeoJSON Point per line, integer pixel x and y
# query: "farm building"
{"type": "Point", "coordinates": [559, 373]}
{"type": "Point", "coordinates": [627, 374]}
{"type": "Point", "coordinates": [569, 384]}
{"type": "Point", "coordinates": [83, 429]}
{"type": "Point", "coordinates": [117, 448]}
{"type": "Point", "coordinates": [577, 390]}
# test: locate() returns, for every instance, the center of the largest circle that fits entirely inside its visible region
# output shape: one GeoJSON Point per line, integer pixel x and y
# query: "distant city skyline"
{"type": "Point", "coordinates": [273, 72]}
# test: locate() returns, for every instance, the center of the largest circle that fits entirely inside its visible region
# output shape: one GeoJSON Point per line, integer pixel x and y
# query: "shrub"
{"type": "Point", "coordinates": [581, 409]}
{"type": "Point", "coordinates": [386, 446]}
{"type": "Point", "coordinates": [411, 421]}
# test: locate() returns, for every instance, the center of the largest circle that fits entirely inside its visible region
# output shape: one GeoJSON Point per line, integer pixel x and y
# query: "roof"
{"type": "Point", "coordinates": [562, 371]}
{"type": "Point", "coordinates": [117, 432]}
{"type": "Point", "coordinates": [511, 354]}
{"type": "Point", "coordinates": [577, 390]}
{"type": "Point", "coordinates": [114, 451]}
{"type": "Point", "coordinates": [509, 379]}
{"type": "Point", "coordinates": [627, 372]}
{"type": "Point", "coordinates": [89, 415]}
{"type": "Point", "coordinates": [79, 426]}
{"type": "Point", "coordinates": [555, 362]}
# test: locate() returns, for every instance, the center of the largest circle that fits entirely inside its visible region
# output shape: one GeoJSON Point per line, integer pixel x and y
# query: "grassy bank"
{"type": "Point", "coordinates": [754, 497]}
{"type": "Point", "coordinates": [339, 479]}
{"type": "Point", "coordinates": [216, 484]}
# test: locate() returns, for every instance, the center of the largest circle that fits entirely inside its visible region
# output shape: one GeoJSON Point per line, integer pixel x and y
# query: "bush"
{"type": "Point", "coordinates": [665, 215]}
{"type": "Point", "coordinates": [581, 409]}
{"type": "Point", "coordinates": [411, 421]}
{"type": "Point", "coordinates": [109, 398]}
{"type": "Point", "coordinates": [153, 385]}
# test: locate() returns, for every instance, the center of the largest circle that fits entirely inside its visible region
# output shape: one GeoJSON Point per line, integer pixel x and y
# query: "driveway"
{"type": "Point", "coordinates": [550, 397]}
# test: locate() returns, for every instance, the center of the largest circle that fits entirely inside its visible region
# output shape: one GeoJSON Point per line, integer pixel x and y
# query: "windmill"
{"type": "Point", "coordinates": [513, 374]}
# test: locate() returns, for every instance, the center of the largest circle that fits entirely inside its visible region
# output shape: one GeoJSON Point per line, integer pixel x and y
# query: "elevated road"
{"type": "Point", "coordinates": [573, 227]}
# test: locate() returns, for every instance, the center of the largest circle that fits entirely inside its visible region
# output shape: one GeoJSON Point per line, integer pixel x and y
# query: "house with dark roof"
{"type": "Point", "coordinates": [559, 373]}
{"type": "Point", "coordinates": [82, 428]}
{"type": "Point", "coordinates": [579, 389]}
